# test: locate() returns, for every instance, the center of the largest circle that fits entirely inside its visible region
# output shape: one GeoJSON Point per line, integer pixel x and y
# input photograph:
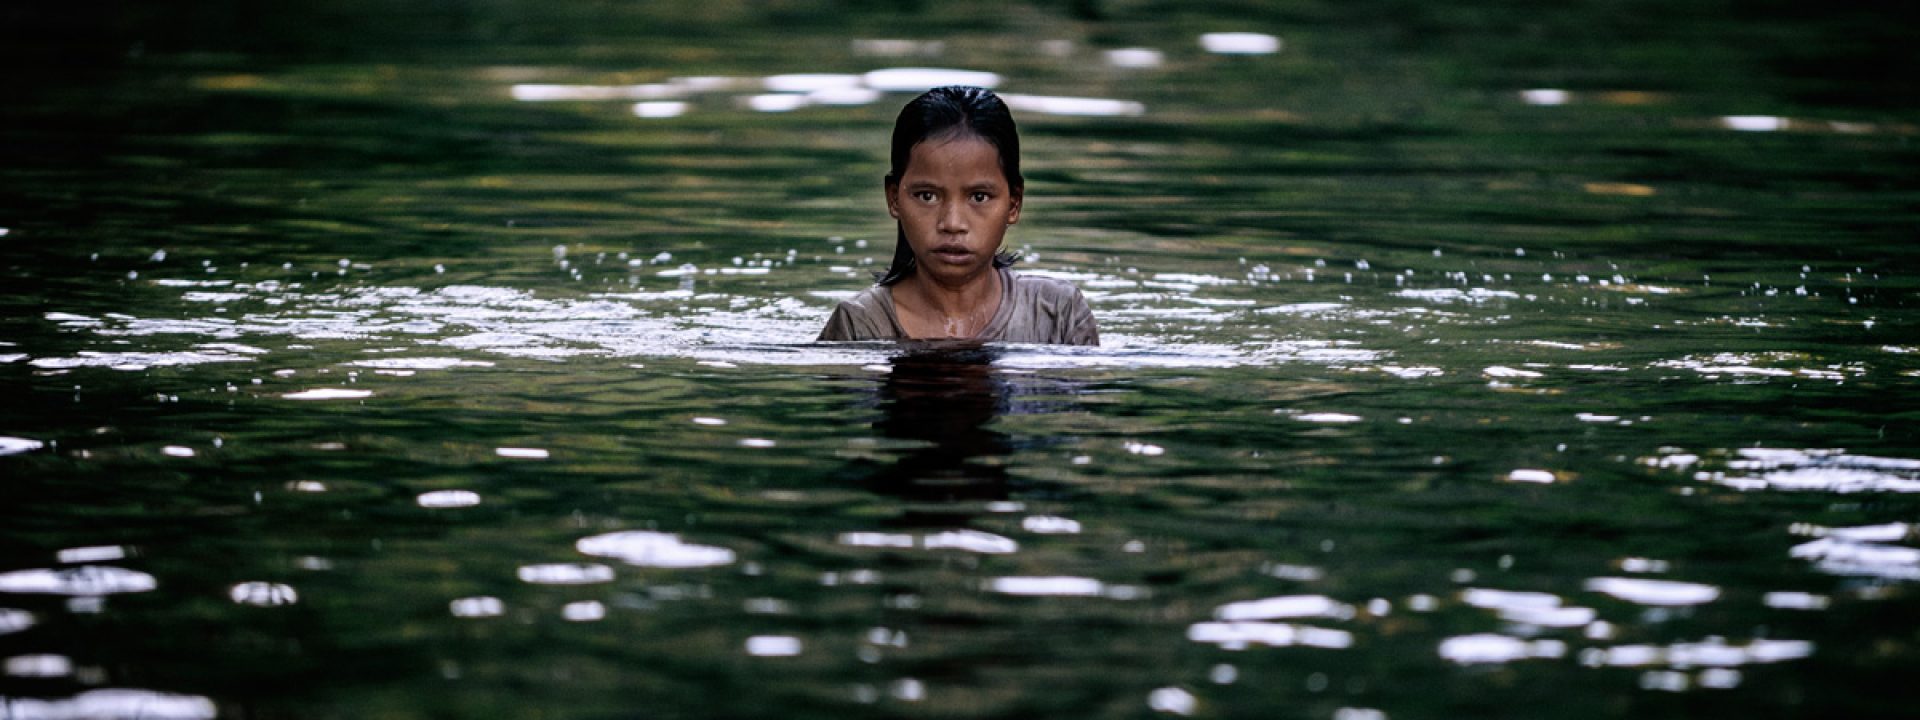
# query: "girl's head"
{"type": "Point", "coordinates": [946, 114]}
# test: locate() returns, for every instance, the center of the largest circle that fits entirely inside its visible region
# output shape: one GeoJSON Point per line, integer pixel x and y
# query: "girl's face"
{"type": "Point", "coordinates": [954, 204]}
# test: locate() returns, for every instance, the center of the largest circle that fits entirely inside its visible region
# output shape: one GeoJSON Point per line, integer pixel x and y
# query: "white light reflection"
{"type": "Point", "coordinates": [1302, 573]}
{"type": "Point", "coordinates": [39, 666]}
{"type": "Point", "coordinates": [809, 82]}
{"type": "Point", "coordinates": [114, 704]}
{"type": "Point", "coordinates": [972, 541]}
{"type": "Point", "coordinates": [1054, 586]}
{"type": "Point", "coordinates": [329, 394]}
{"type": "Point", "coordinates": [521, 453]}
{"type": "Point", "coordinates": [86, 580]}
{"type": "Point", "coordinates": [1528, 608]}
{"type": "Point", "coordinates": [418, 363]}
{"type": "Point", "coordinates": [1485, 648]}
{"type": "Point", "coordinates": [1135, 58]}
{"type": "Point", "coordinates": [1312, 308]}
{"type": "Point", "coordinates": [1330, 418]}
{"type": "Point", "coordinates": [1665, 680]}
{"type": "Point", "coordinates": [654, 549]}
{"type": "Point", "coordinates": [1712, 652]}
{"type": "Point", "coordinates": [448, 499]}
{"type": "Point", "coordinates": [1654, 592]}
{"type": "Point", "coordinates": [1290, 606]}
{"type": "Point", "coordinates": [15, 446]}
{"type": "Point", "coordinates": [767, 606]}
{"type": "Point", "coordinates": [1644, 565]}
{"type": "Point", "coordinates": [565, 574]}
{"type": "Point", "coordinates": [659, 109]}
{"type": "Point", "coordinates": [735, 328]}
{"type": "Point", "coordinates": [1240, 43]}
{"type": "Point", "coordinates": [1503, 372]}
{"type": "Point", "coordinates": [1074, 106]}
{"type": "Point", "coordinates": [263, 594]}
{"type": "Point", "coordinates": [877, 539]}
{"type": "Point", "coordinates": [1530, 476]}
{"type": "Point", "coordinates": [1885, 532]}
{"type": "Point", "coordinates": [889, 47]}
{"type": "Point", "coordinates": [776, 102]}
{"type": "Point", "coordinates": [1508, 599]}
{"type": "Point", "coordinates": [1555, 617]}
{"type": "Point", "coordinates": [135, 361]}
{"type": "Point", "coordinates": [583, 611]}
{"type": "Point", "coordinates": [1743, 366]}
{"type": "Point", "coordinates": [1754, 123]}
{"type": "Point", "coordinates": [1795, 601]}
{"type": "Point", "coordinates": [1240, 635]}
{"type": "Point", "coordinates": [1172, 700]}
{"type": "Point", "coordinates": [98, 553]}
{"type": "Point", "coordinates": [1444, 296]}
{"type": "Point", "coordinates": [773, 646]}
{"type": "Point", "coordinates": [841, 96]}
{"type": "Point", "coordinates": [1822, 470]}
{"type": "Point", "coordinates": [1545, 96]}
{"type": "Point", "coordinates": [1049, 525]}
{"type": "Point", "coordinates": [13, 621]}
{"type": "Point", "coordinates": [908, 690]}
{"type": "Point", "coordinates": [1842, 557]}
{"type": "Point", "coordinates": [477, 607]}
{"type": "Point", "coordinates": [1719, 678]}
{"type": "Point", "coordinates": [924, 79]}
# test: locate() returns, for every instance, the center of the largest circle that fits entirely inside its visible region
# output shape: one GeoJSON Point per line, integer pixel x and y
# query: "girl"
{"type": "Point", "coordinates": [954, 188]}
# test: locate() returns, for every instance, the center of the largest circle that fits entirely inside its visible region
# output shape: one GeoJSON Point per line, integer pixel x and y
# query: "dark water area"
{"type": "Point", "coordinates": [455, 359]}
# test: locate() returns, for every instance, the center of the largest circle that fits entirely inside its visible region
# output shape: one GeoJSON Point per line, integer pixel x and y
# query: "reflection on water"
{"type": "Point", "coordinates": [939, 401]}
{"type": "Point", "coordinates": [464, 366]}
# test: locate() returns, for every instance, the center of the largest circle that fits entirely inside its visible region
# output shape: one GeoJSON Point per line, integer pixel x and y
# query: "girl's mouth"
{"type": "Point", "coordinates": [953, 254]}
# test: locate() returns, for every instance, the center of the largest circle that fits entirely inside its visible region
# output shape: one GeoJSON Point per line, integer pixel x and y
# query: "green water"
{"type": "Point", "coordinates": [1486, 360]}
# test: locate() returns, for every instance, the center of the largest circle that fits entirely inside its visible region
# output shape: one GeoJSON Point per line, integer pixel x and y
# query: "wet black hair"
{"type": "Point", "coordinates": [949, 111]}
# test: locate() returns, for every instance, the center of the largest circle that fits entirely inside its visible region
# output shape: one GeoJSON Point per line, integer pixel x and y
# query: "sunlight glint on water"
{"type": "Point", "coordinates": [1451, 371]}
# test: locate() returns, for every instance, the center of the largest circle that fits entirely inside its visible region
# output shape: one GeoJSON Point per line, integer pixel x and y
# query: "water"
{"type": "Point", "coordinates": [1457, 363]}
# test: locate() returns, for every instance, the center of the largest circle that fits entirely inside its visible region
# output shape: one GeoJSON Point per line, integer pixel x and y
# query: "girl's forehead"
{"type": "Point", "coordinates": [954, 151]}
{"type": "Point", "coordinates": [956, 141]}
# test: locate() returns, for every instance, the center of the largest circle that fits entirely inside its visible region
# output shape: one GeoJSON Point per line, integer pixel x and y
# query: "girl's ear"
{"type": "Point", "coordinates": [892, 185]}
{"type": "Point", "coordinates": [1018, 194]}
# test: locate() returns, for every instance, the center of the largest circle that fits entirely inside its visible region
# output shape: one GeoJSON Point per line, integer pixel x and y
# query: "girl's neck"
{"type": "Point", "coordinates": [931, 309]}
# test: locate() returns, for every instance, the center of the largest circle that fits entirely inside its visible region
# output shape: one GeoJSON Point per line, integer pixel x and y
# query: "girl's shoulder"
{"type": "Point", "coordinates": [1043, 290]}
{"type": "Point", "coordinates": [867, 315]}
{"type": "Point", "coordinates": [1042, 309]}
{"type": "Point", "coordinates": [875, 299]}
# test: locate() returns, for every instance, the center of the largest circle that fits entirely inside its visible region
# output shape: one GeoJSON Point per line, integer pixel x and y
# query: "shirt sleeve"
{"type": "Point", "coordinates": [839, 326]}
{"type": "Point", "coordinates": [1081, 328]}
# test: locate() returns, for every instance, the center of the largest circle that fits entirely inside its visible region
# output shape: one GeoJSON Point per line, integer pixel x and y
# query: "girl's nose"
{"type": "Point", "coordinates": [952, 218]}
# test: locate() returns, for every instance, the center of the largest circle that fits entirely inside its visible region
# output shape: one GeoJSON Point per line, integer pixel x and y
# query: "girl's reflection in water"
{"type": "Point", "coordinates": [942, 398]}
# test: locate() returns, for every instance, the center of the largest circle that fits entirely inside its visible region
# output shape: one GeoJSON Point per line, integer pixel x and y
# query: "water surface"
{"type": "Point", "coordinates": [458, 361]}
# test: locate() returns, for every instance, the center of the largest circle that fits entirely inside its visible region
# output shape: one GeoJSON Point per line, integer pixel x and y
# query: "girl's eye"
{"type": "Point", "coordinates": [981, 197]}
{"type": "Point", "coordinates": [923, 196]}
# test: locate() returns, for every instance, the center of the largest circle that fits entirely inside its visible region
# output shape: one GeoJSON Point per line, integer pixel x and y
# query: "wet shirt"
{"type": "Point", "coordinates": [1032, 310]}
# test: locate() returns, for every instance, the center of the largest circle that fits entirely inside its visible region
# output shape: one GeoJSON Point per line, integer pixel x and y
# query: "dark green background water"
{"type": "Point", "coordinates": [1347, 291]}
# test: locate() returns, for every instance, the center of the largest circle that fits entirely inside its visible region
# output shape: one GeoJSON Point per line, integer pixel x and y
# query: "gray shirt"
{"type": "Point", "coordinates": [1032, 310]}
